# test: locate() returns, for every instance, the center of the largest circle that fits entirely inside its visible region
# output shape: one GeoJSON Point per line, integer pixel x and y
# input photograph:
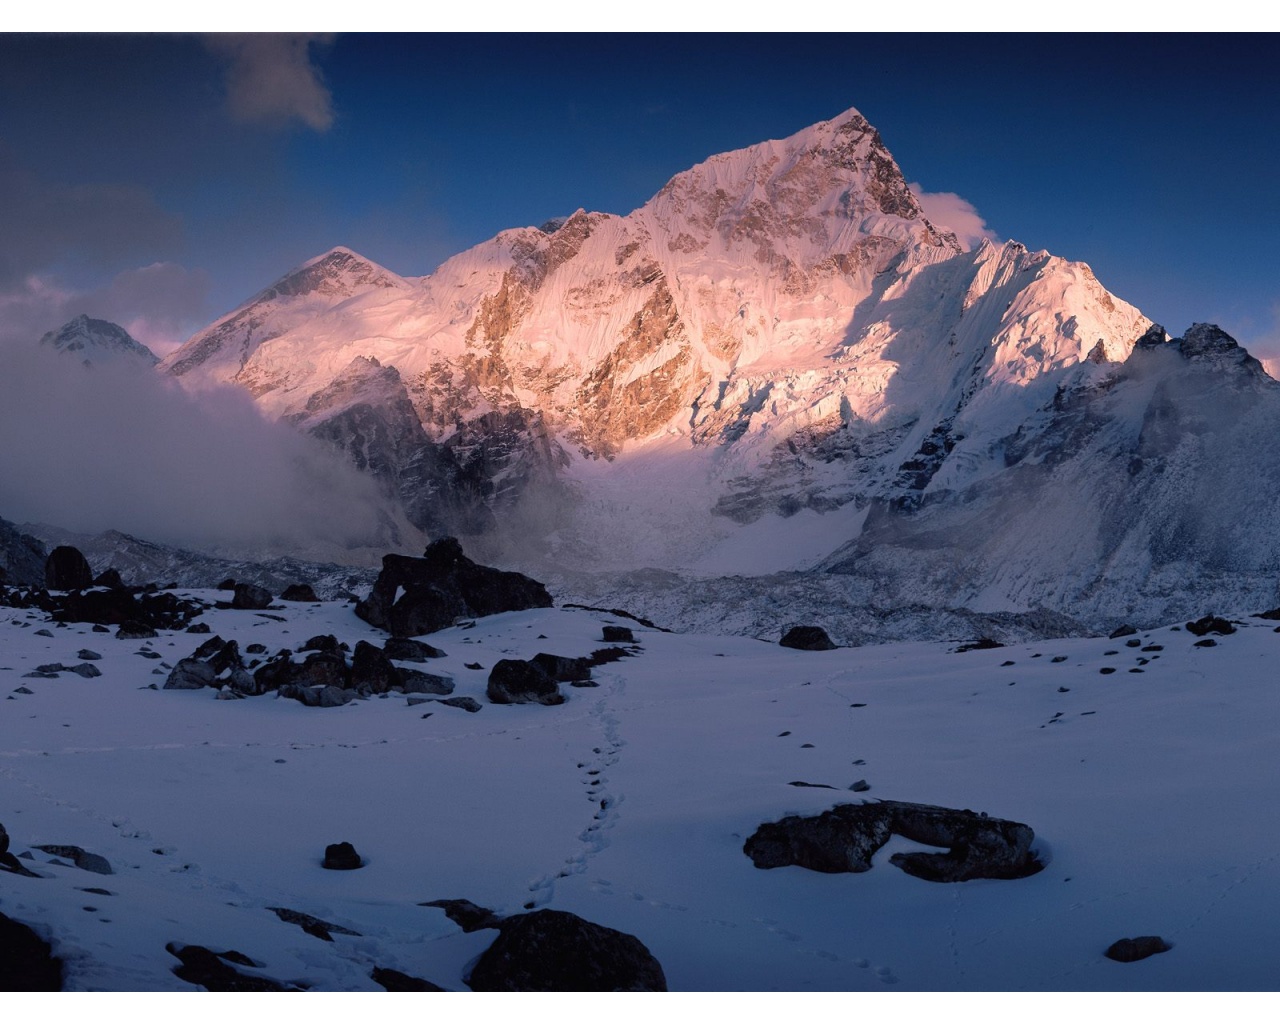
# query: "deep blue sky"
{"type": "Point", "coordinates": [1152, 158]}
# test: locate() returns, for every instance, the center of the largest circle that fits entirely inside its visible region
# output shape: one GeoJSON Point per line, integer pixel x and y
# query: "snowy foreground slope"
{"type": "Point", "coordinates": [1150, 793]}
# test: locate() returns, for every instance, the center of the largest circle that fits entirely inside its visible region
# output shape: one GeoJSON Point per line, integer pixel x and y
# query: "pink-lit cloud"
{"type": "Point", "coordinates": [272, 79]}
{"type": "Point", "coordinates": [954, 213]}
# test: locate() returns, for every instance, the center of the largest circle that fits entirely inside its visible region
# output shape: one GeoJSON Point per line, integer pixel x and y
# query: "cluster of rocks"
{"type": "Point", "coordinates": [537, 680]}
{"type": "Point", "coordinates": [321, 673]}
{"type": "Point", "coordinates": [846, 837]}
{"type": "Point", "coordinates": [413, 596]}
{"type": "Point", "coordinates": [554, 951]}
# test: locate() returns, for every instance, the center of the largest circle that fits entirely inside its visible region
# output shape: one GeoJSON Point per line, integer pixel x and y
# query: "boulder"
{"type": "Point", "coordinates": [442, 586]}
{"type": "Point", "coordinates": [522, 682]}
{"type": "Point", "coordinates": [251, 598]}
{"type": "Point", "coordinates": [465, 703]}
{"type": "Point", "coordinates": [299, 592]}
{"type": "Point", "coordinates": [341, 857]}
{"type": "Point", "coordinates": [619, 635]}
{"type": "Point", "coordinates": [134, 630]}
{"type": "Point", "coordinates": [81, 858]}
{"type": "Point", "coordinates": [465, 914]}
{"type": "Point", "coordinates": [1119, 631]}
{"type": "Point", "coordinates": [1126, 951]}
{"type": "Point", "coordinates": [203, 967]}
{"type": "Point", "coordinates": [324, 642]}
{"type": "Point", "coordinates": [806, 638]}
{"type": "Point", "coordinates": [28, 963]}
{"type": "Point", "coordinates": [191, 674]}
{"type": "Point", "coordinates": [401, 649]}
{"type": "Point", "coordinates": [562, 669]}
{"type": "Point", "coordinates": [396, 981]}
{"type": "Point", "coordinates": [555, 951]}
{"type": "Point", "coordinates": [372, 671]}
{"type": "Point", "coordinates": [413, 681]}
{"type": "Point", "coordinates": [109, 578]}
{"type": "Point", "coordinates": [846, 837]}
{"type": "Point", "coordinates": [1210, 624]}
{"type": "Point", "coordinates": [67, 569]}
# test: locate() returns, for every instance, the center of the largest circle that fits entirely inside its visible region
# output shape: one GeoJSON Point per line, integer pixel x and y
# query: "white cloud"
{"type": "Point", "coordinates": [272, 79]}
{"type": "Point", "coordinates": [954, 213]}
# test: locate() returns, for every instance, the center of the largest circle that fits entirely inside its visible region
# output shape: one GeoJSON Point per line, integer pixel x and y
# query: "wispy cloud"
{"type": "Point", "coordinates": [273, 79]}
{"type": "Point", "coordinates": [954, 213]}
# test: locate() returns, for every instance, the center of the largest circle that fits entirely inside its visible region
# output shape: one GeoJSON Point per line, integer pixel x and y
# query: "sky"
{"type": "Point", "coordinates": [160, 180]}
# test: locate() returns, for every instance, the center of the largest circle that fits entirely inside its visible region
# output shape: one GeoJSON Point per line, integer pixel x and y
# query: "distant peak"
{"type": "Point", "coordinates": [97, 339]}
{"type": "Point", "coordinates": [338, 272]}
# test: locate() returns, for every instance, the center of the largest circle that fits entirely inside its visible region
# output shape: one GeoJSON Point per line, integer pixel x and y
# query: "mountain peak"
{"type": "Point", "coordinates": [336, 273]}
{"type": "Point", "coordinates": [97, 340]}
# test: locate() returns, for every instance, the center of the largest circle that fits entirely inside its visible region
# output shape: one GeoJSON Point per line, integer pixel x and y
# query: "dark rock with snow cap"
{"type": "Point", "coordinates": [846, 837]}
{"type": "Point", "coordinates": [213, 971]}
{"type": "Point", "coordinates": [81, 858]}
{"type": "Point", "coordinates": [413, 681]}
{"type": "Point", "coordinates": [191, 674]}
{"type": "Point", "coordinates": [806, 638]}
{"type": "Point", "coordinates": [442, 586]}
{"type": "Point", "coordinates": [555, 951]}
{"type": "Point", "coordinates": [67, 569]}
{"type": "Point", "coordinates": [522, 682]}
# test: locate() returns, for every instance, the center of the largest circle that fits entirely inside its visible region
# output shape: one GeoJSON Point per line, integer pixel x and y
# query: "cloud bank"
{"type": "Point", "coordinates": [272, 79]}
{"type": "Point", "coordinates": [112, 447]}
{"type": "Point", "coordinates": [954, 213]}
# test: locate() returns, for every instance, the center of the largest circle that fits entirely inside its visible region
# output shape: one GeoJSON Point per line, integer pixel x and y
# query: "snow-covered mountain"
{"type": "Point", "coordinates": [98, 342]}
{"type": "Point", "coordinates": [776, 364]}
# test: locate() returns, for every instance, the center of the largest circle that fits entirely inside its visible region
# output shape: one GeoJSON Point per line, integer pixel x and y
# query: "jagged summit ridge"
{"type": "Point", "coordinates": [97, 341]}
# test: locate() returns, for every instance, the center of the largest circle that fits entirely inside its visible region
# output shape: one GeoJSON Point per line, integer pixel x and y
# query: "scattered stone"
{"type": "Point", "coordinates": [1105, 671]}
{"type": "Point", "coordinates": [617, 635]}
{"type": "Point", "coordinates": [861, 786]}
{"type": "Point", "coordinates": [67, 569]}
{"type": "Point", "coordinates": [474, 666]}
{"type": "Point", "coordinates": [465, 703]}
{"type": "Point", "coordinates": [1126, 951]}
{"type": "Point", "coordinates": [522, 682]}
{"type": "Point", "coordinates": [199, 627]}
{"type": "Point", "coordinates": [256, 649]}
{"type": "Point", "coordinates": [394, 981]}
{"type": "Point", "coordinates": [413, 681]}
{"type": "Point", "coordinates": [442, 586]}
{"type": "Point", "coordinates": [87, 655]}
{"type": "Point", "coordinates": [341, 857]}
{"type": "Point", "coordinates": [466, 915]}
{"type": "Point", "coordinates": [555, 951]}
{"type": "Point", "coordinates": [37, 674]}
{"type": "Point", "coordinates": [210, 970]}
{"type": "Point", "coordinates": [562, 669]}
{"type": "Point", "coordinates": [806, 638]}
{"type": "Point", "coordinates": [86, 670]}
{"type": "Point", "coordinates": [1135, 642]}
{"type": "Point", "coordinates": [28, 963]}
{"type": "Point", "coordinates": [811, 785]}
{"type": "Point", "coordinates": [135, 630]}
{"type": "Point", "coordinates": [1273, 614]}
{"type": "Point", "coordinates": [1210, 624]}
{"type": "Point", "coordinates": [24, 691]}
{"type": "Point", "coordinates": [1120, 631]}
{"type": "Point", "coordinates": [984, 643]}
{"type": "Point", "coordinates": [311, 925]}
{"type": "Point", "coordinates": [324, 642]}
{"type": "Point", "coordinates": [45, 632]}
{"type": "Point", "coordinates": [401, 649]}
{"type": "Point", "coordinates": [1206, 642]}
{"type": "Point", "coordinates": [250, 598]}
{"type": "Point", "coordinates": [605, 655]}
{"type": "Point", "coordinates": [846, 837]}
{"type": "Point", "coordinates": [300, 592]}
{"type": "Point", "coordinates": [81, 858]}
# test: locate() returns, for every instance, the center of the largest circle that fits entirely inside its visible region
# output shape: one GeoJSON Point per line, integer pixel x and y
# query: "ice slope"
{"type": "Point", "coordinates": [1149, 788]}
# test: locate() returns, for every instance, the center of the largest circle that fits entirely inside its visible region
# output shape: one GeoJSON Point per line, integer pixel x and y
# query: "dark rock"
{"type": "Point", "coordinates": [861, 786]}
{"type": "Point", "coordinates": [1126, 951]}
{"type": "Point", "coordinates": [372, 671]}
{"type": "Point", "coordinates": [341, 857]}
{"type": "Point", "coordinates": [845, 838]}
{"type": "Point", "coordinates": [984, 643]}
{"type": "Point", "coordinates": [67, 569]}
{"type": "Point", "coordinates": [323, 668]}
{"type": "Point", "coordinates": [465, 914]}
{"type": "Point", "coordinates": [1122, 631]}
{"type": "Point", "coordinates": [605, 655]}
{"type": "Point", "coordinates": [318, 696]}
{"type": "Point", "coordinates": [413, 681]}
{"type": "Point", "coordinates": [325, 642]}
{"type": "Point", "coordinates": [1210, 624]}
{"type": "Point", "coordinates": [394, 981]}
{"type": "Point", "coordinates": [210, 970]}
{"type": "Point", "coordinates": [522, 682]}
{"type": "Point", "coordinates": [227, 584]}
{"type": "Point", "coordinates": [134, 630]}
{"type": "Point", "coordinates": [84, 654]}
{"type": "Point", "coordinates": [199, 627]}
{"type": "Point", "coordinates": [109, 578]}
{"type": "Point", "coordinates": [1206, 642]}
{"type": "Point", "coordinates": [475, 666]}
{"type": "Point", "coordinates": [811, 785]}
{"type": "Point", "coordinates": [255, 649]}
{"type": "Point", "coordinates": [442, 586]}
{"type": "Point", "coordinates": [400, 649]}
{"type": "Point", "coordinates": [311, 925]}
{"type": "Point", "coordinates": [28, 963]}
{"type": "Point", "coordinates": [191, 674]}
{"type": "Point", "coordinates": [465, 703]}
{"type": "Point", "coordinates": [96, 629]}
{"type": "Point", "coordinates": [251, 598]}
{"type": "Point", "coordinates": [806, 638]}
{"type": "Point", "coordinates": [81, 858]}
{"type": "Point", "coordinates": [617, 635]}
{"type": "Point", "coordinates": [555, 951]}
{"type": "Point", "coordinates": [1273, 614]}
{"type": "Point", "coordinates": [562, 669]}
{"type": "Point", "coordinates": [299, 592]}
{"type": "Point", "coordinates": [86, 670]}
